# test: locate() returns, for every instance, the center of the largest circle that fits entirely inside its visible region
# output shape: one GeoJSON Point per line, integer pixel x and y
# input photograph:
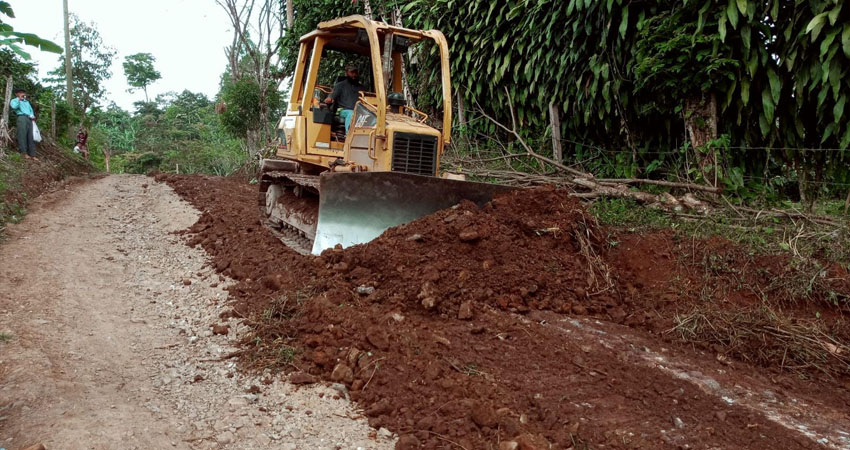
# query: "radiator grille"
{"type": "Point", "coordinates": [414, 153]}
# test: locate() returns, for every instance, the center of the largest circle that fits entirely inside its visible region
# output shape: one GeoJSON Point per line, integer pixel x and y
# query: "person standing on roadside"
{"type": "Point", "coordinates": [23, 109]}
{"type": "Point", "coordinates": [82, 143]}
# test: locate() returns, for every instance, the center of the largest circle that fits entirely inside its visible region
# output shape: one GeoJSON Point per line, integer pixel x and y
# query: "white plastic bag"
{"type": "Point", "coordinates": [36, 133]}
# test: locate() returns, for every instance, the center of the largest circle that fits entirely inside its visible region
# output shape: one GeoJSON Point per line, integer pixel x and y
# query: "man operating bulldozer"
{"type": "Point", "coordinates": [346, 93]}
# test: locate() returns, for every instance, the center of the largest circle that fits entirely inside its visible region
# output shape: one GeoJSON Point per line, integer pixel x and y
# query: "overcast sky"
{"type": "Point", "coordinates": [187, 38]}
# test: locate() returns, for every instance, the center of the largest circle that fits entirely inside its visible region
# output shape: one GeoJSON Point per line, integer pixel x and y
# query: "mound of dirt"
{"type": "Point", "coordinates": [526, 250]}
{"type": "Point", "coordinates": [418, 324]}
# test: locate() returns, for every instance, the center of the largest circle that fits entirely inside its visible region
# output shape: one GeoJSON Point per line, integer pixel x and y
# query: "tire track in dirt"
{"type": "Point", "coordinates": [107, 316]}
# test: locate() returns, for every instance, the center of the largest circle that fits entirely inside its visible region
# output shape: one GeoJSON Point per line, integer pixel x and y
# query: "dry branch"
{"type": "Point", "coordinates": [764, 337]}
{"type": "Point", "coordinates": [601, 187]}
{"type": "Point", "coordinates": [673, 184]}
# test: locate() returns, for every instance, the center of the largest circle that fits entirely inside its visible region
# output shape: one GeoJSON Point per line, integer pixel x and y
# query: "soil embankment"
{"type": "Point", "coordinates": [22, 180]}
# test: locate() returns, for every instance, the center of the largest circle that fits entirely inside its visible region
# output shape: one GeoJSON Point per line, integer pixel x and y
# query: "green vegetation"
{"type": "Point", "coordinates": [12, 208]}
{"type": "Point", "coordinates": [12, 40]}
{"type": "Point", "coordinates": [743, 94]}
{"type": "Point", "coordinates": [623, 212]}
{"type": "Point", "coordinates": [140, 72]}
{"type": "Point", "coordinates": [805, 240]}
{"type": "Point", "coordinates": [752, 93]}
{"type": "Point", "coordinates": [177, 132]}
{"type": "Point", "coordinates": [90, 61]}
{"type": "Point", "coordinates": [183, 132]}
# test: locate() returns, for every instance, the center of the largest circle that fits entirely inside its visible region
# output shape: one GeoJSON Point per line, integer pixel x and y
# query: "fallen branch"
{"type": "Point", "coordinates": [815, 219]}
{"type": "Point", "coordinates": [673, 184]}
{"type": "Point", "coordinates": [605, 187]}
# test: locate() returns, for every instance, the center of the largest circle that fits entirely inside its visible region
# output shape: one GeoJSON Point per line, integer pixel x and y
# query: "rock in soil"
{"type": "Point", "coordinates": [407, 442]}
{"type": "Point", "coordinates": [302, 378]}
{"type": "Point", "coordinates": [464, 312]}
{"type": "Point", "coordinates": [342, 373]}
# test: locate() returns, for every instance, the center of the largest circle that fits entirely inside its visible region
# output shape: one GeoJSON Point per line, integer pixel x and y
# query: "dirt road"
{"type": "Point", "coordinates": [107, 342]}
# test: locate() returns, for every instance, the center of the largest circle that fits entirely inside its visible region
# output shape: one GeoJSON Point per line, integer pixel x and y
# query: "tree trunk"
{"type": "Point", "coordinates": [53, 118]}
{"type": "Point", "coordinates": [388, 59]}
{"type": "Point", "coordinates": [264, 118]}
{"type": "Point", "coordinates": [106, 158]}
{"type": "Point", "coordinates": [5, 138]}
{"type": "Point", "coordinates": [69, 74]}
{"type": "Point", "coordinates": [799, 166]}
{"type": "Point", "coordinates": [701, 127]}
{"type": "Point", "coordinates": [252, 143]}
{"type": "Point", "coordinates": [847, 204]}
{"type": "Point", "coordinates": [290, 14]}
{"type": "Point", "coordinates": [461, 109]}
{"type": "Point", "coordinates": [367, 9]}
{"type": "Point", "coordinates": [555, 123]}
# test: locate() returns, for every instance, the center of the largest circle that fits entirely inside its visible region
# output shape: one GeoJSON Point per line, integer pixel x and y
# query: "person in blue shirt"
{"type": "Point", "coordinates": [23, 109]}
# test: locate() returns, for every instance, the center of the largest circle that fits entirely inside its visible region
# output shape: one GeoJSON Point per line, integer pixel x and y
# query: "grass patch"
{"type": "Point", "coordinates": [621, 212]}
{"type": "Point", "coordinates": [803, 239]}
{"type": "Point", "coordinates": [5, 337]}
{"type": "Point", "coordinates": [286, 354]}
{"type": "Point", "coordinates": [12, 199]}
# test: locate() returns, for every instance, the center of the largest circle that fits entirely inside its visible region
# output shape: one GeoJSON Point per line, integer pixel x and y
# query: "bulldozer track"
{"type": "Point", "coordinates": [291, 237]}
{"type": "Point", "coordinates": [292, 179]}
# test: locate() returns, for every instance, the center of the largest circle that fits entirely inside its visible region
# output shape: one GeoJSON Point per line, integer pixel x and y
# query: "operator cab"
{"type": "Point", "coordinates": [323, 58]}
{"type": "Point", "coordinates": [334, 112]}
{"type": "Point", "coordinates": [385, 132]}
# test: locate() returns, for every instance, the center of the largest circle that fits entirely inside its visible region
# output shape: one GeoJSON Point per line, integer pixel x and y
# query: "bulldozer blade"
{"type": "Point", "coordinates": [355, 208]}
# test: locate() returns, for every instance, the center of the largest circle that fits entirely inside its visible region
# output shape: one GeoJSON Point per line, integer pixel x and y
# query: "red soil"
{"type": "Point", "coordinates": [427, 324]}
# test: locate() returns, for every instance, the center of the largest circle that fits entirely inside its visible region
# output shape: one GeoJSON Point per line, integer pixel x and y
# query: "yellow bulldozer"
{"type": "Point", "coordinates": [333, 183]}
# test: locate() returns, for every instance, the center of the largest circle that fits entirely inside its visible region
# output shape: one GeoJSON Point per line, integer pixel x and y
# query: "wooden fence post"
{"type": "Point", "coordinates": [5, 137]}
{"type": "Point", "coordinates": [555, 123]}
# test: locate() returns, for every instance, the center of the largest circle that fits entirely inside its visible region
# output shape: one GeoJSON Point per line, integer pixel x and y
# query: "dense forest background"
{"type": "Point", "coordinates": [746, 95]}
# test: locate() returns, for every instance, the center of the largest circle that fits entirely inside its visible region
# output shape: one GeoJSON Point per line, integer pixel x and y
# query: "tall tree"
{"type": "Point", "coordinates": [140, 72]}
{"type": "Point", "coordinates": [69, 76]}
{"type": "Point", "coordinates": [260, 48]}
{"type": "Point", "coordinates": [91, 59]}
